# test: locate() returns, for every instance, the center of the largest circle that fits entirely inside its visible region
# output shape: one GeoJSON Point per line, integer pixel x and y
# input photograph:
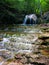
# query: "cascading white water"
{"type": "Point", "coordinates": [25, 19]}
{"type": "Point", "coordinates": [1, 63]}
{"type": "Point", "coordinates": [3, 41]}
{"type": "Point", "coordinates": [31, 17]}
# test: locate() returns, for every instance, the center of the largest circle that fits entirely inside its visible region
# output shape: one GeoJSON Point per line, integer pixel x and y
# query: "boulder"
{"type": "Point", "coordinates": [46, 16]}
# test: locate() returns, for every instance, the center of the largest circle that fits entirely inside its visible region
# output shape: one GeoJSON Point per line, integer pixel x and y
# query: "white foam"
{"type": "Point", "coordinates": [1, 63]}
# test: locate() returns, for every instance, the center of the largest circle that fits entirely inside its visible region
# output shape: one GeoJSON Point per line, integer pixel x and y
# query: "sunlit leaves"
{"type": "Point", "coordinates": [44, 5]}
{"type": "Point", "coordinates": [35, 6]}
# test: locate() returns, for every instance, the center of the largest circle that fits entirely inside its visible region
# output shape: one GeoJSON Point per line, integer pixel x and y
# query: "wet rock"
{"type": "Point", "coordinates": [1, 39]}
{"type": "Point", "coordinates": [18, 56]}
{"type": "Point", "coordinates": [45, 52]}
{"type": "Point", "coordinates": [34, 56]}
{"type": "Point", "coordinates": [36, 63]}
{"type": "Point", "coordinates": [1, 58]}
{"type": "Point", "coordinates": [47, 40]}
{"type": "Point", "coordinates": [5, 53]}
{"type": "Point", "coordinates": [46, 16]}
{"type": "Point", "coordinates": [42, 60]}
{"type": "Point", "coordinates": [39, 42]}
{"type": "Point", "coordinates": [24, 60]}
{"type": "Point", "coordinates": [29, 64]}
{"type": "Point", "coordinates": [44, 38]}
{"type": "Point", "coordinates": [30, 60]}
{"type": "Point", "coordinates": [28, 56]}
{"type": "Point", "coordinates": [31, 55]}
{"type": "Point", "coordinates": [13, 63]}
{"type": "Point", "coordinates": [45, 43]}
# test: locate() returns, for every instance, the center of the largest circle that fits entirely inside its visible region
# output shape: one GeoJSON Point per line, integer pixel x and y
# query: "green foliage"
{"type": "Point", "coordinates": [29, 5]}
{"type": "Point", "coordinates": [45, 5]}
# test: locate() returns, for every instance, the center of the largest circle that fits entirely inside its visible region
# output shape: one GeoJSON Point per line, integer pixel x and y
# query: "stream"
{"type": "Point", "coordinates": [21, 41]}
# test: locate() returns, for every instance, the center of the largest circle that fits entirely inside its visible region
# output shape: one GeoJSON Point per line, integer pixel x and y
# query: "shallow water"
{"type": "Point", "coordinates": [21, 40]}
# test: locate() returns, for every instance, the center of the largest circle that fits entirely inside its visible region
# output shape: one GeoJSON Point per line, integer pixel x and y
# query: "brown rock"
{"type": "Point", "coordinates": [28, 55]}
{"type": "Point", "coordinates": [12, 63]}
{"type": "Point", "coordinates": [29, 64]}
{"type": "Point", "coordinates": [15, 63]}
{"type": "Point", "coordinates": [42, 60]}
{"type": "Point", "coordinates": [31, 60]}
{"type": "Point", "coordinates": [34, 56]}
{"type": "Point", "coordinates": [24, 60]}
{"type": "Point", "coordinates": [1, 58]}
{"type": "Point", "coordinates": [18, 56]}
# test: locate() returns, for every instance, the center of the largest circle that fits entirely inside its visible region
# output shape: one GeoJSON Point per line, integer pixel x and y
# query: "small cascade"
{"type": "Point", "coordinates": [1, 63]}
{"type": "Point", "coordinates": [25, 19]}
{"type": "Point", "coordinates": [32, 17]}
{"type": "Point", "coordinates": [2, 43]}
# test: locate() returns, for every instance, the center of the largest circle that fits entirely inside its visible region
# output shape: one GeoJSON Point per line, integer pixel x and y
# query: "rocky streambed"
{"type": "Point", "coordinates": [28, 48]}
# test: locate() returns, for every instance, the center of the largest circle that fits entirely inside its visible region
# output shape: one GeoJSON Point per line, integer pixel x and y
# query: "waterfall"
{"type": "Point", "coordinates": [32, 17]}
{"type": "Point", "coordinates": [25, 20]}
